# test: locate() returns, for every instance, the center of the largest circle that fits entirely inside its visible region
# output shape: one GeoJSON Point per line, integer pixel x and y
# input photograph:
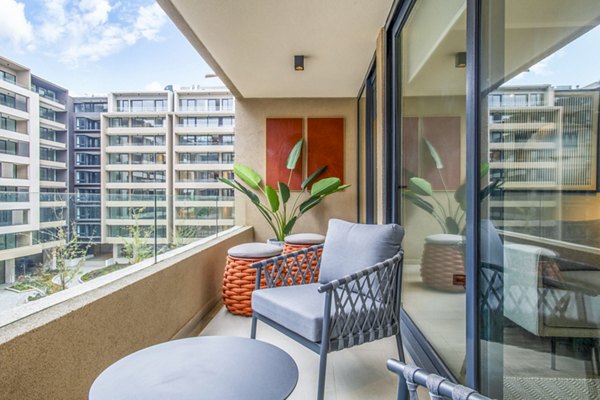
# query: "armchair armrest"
{"type": "Point", "coordinates": [296, 268]}
{"type": "Point", "coordinates": [364, 305]}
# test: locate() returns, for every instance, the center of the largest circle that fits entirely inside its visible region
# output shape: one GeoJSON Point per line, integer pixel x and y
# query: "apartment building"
{"type": "Point", "coordinates": [161, 155]}
{"type": "Point", "coordinates": [542, 138]}
{"type": "Point", "coordinates": [203, 151]}
{"type": "Point", "coordinates": [33, 167]}
{"type": "Point", "coordinates": [136, 139]}
{"type": "Point", "coordinates": [84, 165]}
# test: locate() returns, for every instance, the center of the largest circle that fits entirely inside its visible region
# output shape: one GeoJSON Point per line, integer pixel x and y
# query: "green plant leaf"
{"type": "Point", "coordinates": [310, 203]}
{"type": "Point", "coordinates": [313, 176]}
{"type": "Point", "coordinates": [229, 183]}
{"type": "Point", "coordinates": [264, 212]}
{"type": "Point", "coordinates": [417, 201]}
{"type": "Point", "coordinates": [272, 198]}
{"type": "Point", "coordinates": [460, 196]}
{"type": "Point", "coordinates": [247, 175]}
{"type": "Point", "coordinates": [294, 155]}
{"type": "Point", "coordinates": [434, 154]}
{"type": "Point", "coordinates": [485, 168]}
{"type": "Point", "coordinates": [251, 195]}
{"type": "Point", "coordinates": [284, 192]}
{"type": "Point", "coordinates": [420, 186]}
{"type": "Point", "coordinates": [287, 229]}
{"type": "Point", "coordinates": [325, 186]}
{"type": "Point", "coordinates": [452, 226]}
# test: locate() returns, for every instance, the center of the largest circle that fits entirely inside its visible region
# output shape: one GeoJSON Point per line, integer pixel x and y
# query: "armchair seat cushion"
{"type": "Point", "coordinates": [298, 308]}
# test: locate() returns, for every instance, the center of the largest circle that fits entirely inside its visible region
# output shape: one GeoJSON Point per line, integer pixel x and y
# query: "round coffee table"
{"type": "Point", "coordinates": [210, 367]}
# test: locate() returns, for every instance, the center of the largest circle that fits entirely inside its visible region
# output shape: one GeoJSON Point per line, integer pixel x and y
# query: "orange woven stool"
{"type": "Point", "coordinates": [298, 242]}
{"type": "Point", "coordinates": [239, 279]}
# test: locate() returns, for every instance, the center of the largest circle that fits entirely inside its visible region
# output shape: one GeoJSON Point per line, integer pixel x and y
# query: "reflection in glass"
{"type": "Point", "coordinates": [540, 329]}
{"type": "Point", "coordinates": [432, 137]}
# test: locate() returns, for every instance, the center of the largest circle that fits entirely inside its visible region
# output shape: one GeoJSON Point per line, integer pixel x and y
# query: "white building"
{"type": "Point", "coordinates": [33, 170]}
{"type": "Point", "coordinates": [166, 150]}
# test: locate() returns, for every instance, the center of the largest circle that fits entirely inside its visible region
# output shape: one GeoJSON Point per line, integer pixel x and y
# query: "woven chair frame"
{"type": "Point", "coordinates": [365, 304]}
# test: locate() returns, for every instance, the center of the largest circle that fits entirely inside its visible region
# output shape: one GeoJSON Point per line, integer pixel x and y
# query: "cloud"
{"type": "Point", "coordinates": [14, 26]}
{"type": "Point", "coordinates": [154, 86]}
{"type": "Point", "coordinates": [78, 31]}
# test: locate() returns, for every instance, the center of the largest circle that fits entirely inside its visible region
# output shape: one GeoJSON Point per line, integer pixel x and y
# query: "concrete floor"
{"type": "Point", "coordinates": [356, 373]}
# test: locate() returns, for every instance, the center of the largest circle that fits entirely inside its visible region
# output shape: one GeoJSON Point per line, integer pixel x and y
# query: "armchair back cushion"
{"type": "Point", "coordinates": [352, 247]}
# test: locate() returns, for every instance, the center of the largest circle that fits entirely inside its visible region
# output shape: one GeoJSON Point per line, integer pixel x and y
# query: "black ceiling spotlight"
{"type": "Point", "coordinates": [299, 63]}
{"type": "Point", "coordinates": [460, 60]}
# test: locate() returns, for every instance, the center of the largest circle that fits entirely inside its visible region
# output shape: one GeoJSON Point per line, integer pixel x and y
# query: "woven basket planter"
{"type": "Point", "coordinates": [239, 281]}
{"type": "Point", "coordinates": [442, 259]}
{"type": "Point", "coordinates": [299, 242]}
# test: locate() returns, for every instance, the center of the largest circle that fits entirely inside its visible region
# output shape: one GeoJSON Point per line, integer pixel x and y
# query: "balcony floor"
{"type": "Point", "coordinates": [356, 373]}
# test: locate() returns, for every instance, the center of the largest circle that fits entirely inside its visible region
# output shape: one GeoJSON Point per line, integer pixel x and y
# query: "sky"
{"type": "Point", "coordinates": [573, 65]}
{"type": "Point", "coordinates": [100, 46]}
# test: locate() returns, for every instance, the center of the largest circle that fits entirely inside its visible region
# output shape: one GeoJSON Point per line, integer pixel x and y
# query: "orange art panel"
{"type": "Point", "coordinates": [444, 134]}
{"type": "Point", "coordinates": [326, 146]}
{"type": "Point", "coordinates": [282, 135]}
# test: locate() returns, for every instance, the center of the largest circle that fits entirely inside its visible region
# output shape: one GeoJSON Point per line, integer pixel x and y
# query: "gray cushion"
{"type": "Point", "coordinates": [445, 239]}
{"type": "Point", "coordinates": [300, 308]}
{"type": "Point", "coordinates": [352, 247]}
{"type": "Point", "coordinates": [254, 250]}
{"type": "Point", "coordinates": [305, 238]}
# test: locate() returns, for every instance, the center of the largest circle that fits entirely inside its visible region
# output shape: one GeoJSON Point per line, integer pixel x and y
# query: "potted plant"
{"type": "Point", "coordinates": [280, 215]}
{"type": "Point", "coordinates": [442, 258]}
{"type": "Point", "coordinates": [449, 216]}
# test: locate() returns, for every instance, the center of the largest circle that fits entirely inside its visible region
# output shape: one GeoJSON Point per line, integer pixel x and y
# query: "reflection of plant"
{"type": "Point", "coordinates": [136, 247]}
{"type": "Point", "coordinates": [276, 211]}
{"type": "Point", "coordinates": [448, 216]}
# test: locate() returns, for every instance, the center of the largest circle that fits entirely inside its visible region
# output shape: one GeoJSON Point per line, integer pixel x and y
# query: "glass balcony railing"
{"type": "Point", "coordinates": [17, 102]}
{"type": "Point", "coordinates": [91, 238]}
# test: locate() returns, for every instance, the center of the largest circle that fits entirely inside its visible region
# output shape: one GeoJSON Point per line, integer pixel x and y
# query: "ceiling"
{"type": "Point", "coordinates": [251, 44]}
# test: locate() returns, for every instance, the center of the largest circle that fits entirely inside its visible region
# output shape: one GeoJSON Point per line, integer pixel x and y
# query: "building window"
{"type": "Point", "coordinates": [8, 123]}
{"type": "Point", "coordinates": [8, 77]}
{"type": "Point", "coordinates": [47, 113]}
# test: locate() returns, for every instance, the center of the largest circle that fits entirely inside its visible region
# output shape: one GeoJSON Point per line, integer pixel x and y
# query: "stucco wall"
{"type": "Point", "coordinates": [58, 353]}
{"type": "Point", "coordinates": [250, 149]}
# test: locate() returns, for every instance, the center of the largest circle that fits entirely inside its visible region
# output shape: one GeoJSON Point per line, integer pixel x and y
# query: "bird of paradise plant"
{"type": "Point", "coordinates": [449, 216]}
{"type": "Point", "coordinates": [281, 216]}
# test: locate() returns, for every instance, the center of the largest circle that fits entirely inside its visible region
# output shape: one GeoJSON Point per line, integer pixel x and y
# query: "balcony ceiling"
{"type": "Point", "coordinates": [251, 44]}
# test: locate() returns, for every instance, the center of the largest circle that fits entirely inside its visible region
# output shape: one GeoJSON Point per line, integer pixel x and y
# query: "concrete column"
{"type": "Point", "coordinates": [115, 251]}
{"type": "Point", "coordinates": [9, 271]}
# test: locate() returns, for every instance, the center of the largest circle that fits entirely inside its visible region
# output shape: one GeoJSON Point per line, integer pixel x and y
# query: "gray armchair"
{"type": "Point", "coordinates": [357, 299]}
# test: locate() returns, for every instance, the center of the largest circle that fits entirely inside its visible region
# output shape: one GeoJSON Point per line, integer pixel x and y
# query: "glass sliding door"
{"type": "Point", "coordinates": [430, 98]}
{"type": "Point", "coordinates": [367, 127]}
{"type": "Point", "coordinates": [539, 275]}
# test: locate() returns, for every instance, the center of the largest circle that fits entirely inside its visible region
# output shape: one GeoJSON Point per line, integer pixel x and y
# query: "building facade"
{"type": "Point", "coordinates": [33, 159]}
{"type": "Point", "coordinates": [84, 165]}
{"type": "Point", "coordinates": [203, 129]}
{"type": "Point", "coordinates": [161, 155]}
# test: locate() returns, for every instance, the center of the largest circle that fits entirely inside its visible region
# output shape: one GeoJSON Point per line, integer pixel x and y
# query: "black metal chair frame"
{"type": "Point", "coordinates": [359, 308]}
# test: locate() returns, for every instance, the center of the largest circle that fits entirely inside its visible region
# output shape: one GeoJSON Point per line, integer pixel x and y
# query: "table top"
{"type": "Point", "coordinates": [209, 367]}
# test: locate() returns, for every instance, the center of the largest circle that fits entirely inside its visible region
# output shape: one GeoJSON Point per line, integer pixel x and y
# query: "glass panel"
{"type": "Point", "coordinates": [540, 269]}
{"type": "Point", "coordinates": [432, 140]}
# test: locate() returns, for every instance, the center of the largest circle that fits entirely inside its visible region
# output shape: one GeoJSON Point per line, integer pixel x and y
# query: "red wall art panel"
{"type": "Point", "coordinates": [282, 135]}
{"type": "Point", "coordinates": [325, 138]}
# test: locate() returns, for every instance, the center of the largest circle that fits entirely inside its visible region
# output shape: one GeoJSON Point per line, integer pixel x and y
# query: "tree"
{"type": "Point", "coordinates": [137, 247]}
{"type": "Point", "coordinates": [68, 258]}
